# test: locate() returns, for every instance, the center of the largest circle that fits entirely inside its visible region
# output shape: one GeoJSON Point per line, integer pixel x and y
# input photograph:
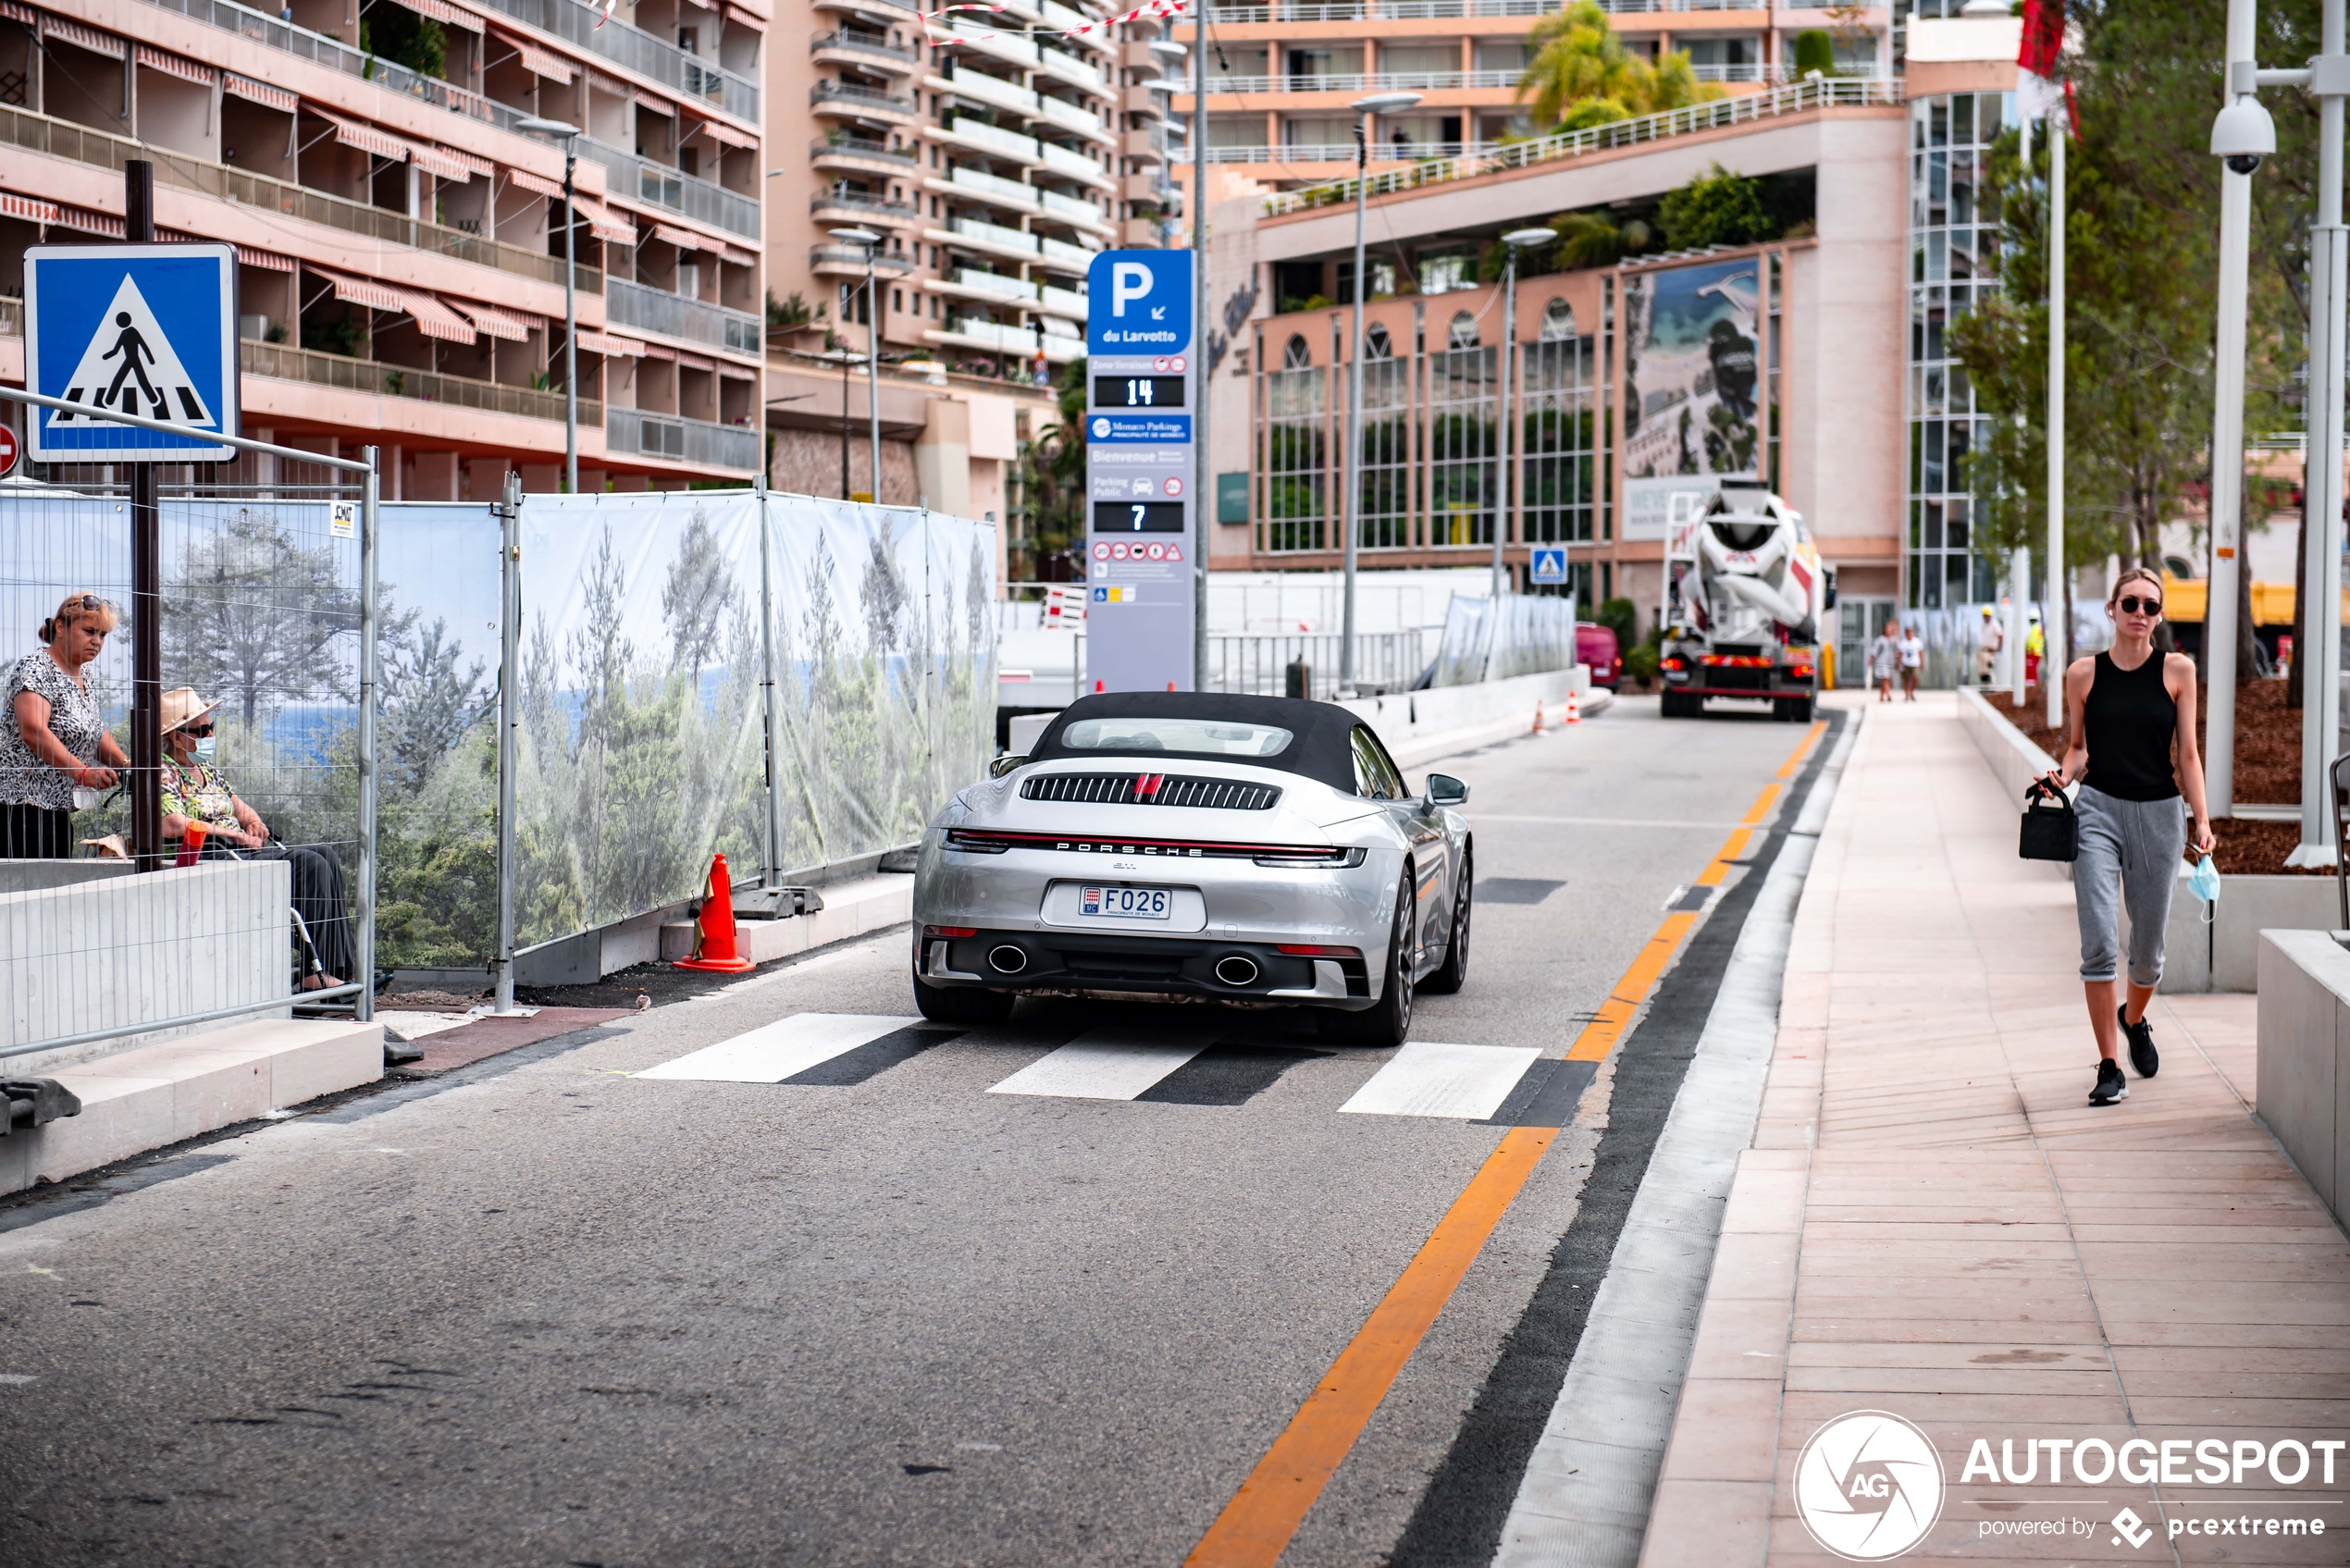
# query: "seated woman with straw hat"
{"type": "Point", "coordinates": [203, 814]}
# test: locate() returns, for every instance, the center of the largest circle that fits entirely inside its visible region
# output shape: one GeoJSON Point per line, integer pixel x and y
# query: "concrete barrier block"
{"type": "Point", "coordinates": [676, 940]}
{"type": "Point", "coordinates": [15, 1161]}
{"type": "Point", "coordinates": [763, 942]}
{"type": "Point", "coordinates": [2250, 906]}
{"type": "Point", "coordinates": [120, 1117]}
{"type": "Point", "coordinates": [2303, 1028]}
{"type": "Point", "coordinates": [324, 1056]}
{"type": "Point", "coordinates": [633, 942]}
{"type": "Point", "coordinates": [209, 1087]}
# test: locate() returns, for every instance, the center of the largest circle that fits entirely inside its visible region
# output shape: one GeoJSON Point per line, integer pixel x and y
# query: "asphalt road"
{"type": "Point", "coordinates": [539, 1312]}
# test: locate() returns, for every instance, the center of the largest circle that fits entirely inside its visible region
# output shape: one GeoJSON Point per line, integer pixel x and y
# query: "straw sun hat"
{"type": "Point", "coordinates": [183, 706]}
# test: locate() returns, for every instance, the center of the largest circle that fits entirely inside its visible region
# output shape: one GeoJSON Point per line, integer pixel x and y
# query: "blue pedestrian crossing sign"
{"type": "Point", "coordinates": [1550, 565]}
{"type": "Point", "coordinates": [148, 330]}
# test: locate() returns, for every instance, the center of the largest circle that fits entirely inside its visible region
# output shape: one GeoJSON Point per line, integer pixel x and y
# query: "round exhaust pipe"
{"type": "Point", "coordinates": [1236, 971]}
{"type": "Point", "coordinates": [1007, 959]}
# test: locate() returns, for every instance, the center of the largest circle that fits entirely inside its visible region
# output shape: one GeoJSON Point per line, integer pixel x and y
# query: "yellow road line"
{"type": "Point", "coordinates": [1256, 1527]}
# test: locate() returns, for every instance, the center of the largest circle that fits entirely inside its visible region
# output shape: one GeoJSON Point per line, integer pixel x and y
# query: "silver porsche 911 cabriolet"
{"type": "Point", "coordinates": [1199, 846]}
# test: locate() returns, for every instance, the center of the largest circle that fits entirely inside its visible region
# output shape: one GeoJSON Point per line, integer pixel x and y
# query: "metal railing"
{"type": "Point", "coordinates": [857, 98]}
{"type": "Point", "coordinates": [332, 52]}
{"type": "Point", "coordinates": [1340, 152]}
{"type": "Point", "coordinates": [1438, 10]}
{"type": "Point", "coordinates": [635, 433]}
{"type": "Point", "coordinates": [674, 316]}
{"type": "Point", "coordinates": [1015, 289]}
{"type": "Point", "coordinates": [584, 27]}
{"type": "Point", "coordinates": [995, 139]}
{"type": "Point", "coordinates": [79, 144]}
{"type": "Point", "coordinates": [884, 263]}
{"type": "Point", "coordinates": [856, 147]}
{"type": "Point", "coordinates": [857, 201]}
{"type": "Point", "coordinates": [683, 193]}
{"type": "Point", "coordinates": [1796, 98]}
{"type": "Point", "coordinates": [279, 362]}
{"type": "Point", "coordinates": [1258, 664]}
{"type": "Point", "coordinates": [1365, 82]}
{"type": "Point", "coordinates": [862, 43]}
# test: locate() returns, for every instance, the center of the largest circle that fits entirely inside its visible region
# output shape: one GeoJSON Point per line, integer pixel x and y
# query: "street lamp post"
{"type": "Point", "coordinates": [1351, 503]}
{"type": "Point", "coordinates": [1515, 240]}
{"type": "Point", "coordinates": [871, 242]}
{"type": "Point", "coordinates": [569, 135]}
{"type": "Point", "coordinates": [2227, 422]}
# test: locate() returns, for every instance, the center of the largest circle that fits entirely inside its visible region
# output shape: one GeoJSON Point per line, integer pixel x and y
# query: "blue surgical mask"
{"type": "Point", "coordinates": [2203, 881]}
{"type": "Point", "coordinates": [205, 748]}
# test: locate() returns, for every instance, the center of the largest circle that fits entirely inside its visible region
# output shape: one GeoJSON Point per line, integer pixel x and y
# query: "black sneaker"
{"type": "Point", "coordinates": [2111, 1085]}
{"type": "Point", "coordinates": [2143, 1056]}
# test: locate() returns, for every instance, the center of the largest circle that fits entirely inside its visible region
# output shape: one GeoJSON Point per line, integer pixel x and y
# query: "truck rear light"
{"type": "Point", "coordinates": [1673, 664]}
{"type": "Point", "coordinates": [951, 931]}
{"type": "Point", "coordinates": [1314, 950]}
{"type": "Point", "coordinates": [1800, 671]}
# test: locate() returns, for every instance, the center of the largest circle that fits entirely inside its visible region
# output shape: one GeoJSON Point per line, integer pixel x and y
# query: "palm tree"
{"type": "Point", "coordinates": [1579, 59]}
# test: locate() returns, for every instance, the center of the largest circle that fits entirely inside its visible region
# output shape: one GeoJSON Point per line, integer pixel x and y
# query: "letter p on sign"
{"type": "Point", "coordinates": [1128, 280]}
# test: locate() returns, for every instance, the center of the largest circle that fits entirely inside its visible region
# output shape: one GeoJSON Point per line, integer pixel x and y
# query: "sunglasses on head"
{"type": "Point", "coordinates": [2133, 605]}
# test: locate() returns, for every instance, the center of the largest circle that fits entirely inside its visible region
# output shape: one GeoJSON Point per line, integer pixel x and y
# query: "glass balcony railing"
{"type": "Point", "coordinates": [680, 192]}
{"type": "Point", "coordinates": [282, 361]}
{"type": "Point", "coordinates": [858, 147]}
{"type": "Point", "coordinates": [630, 432]}
{"type": "Point", "coordinates": [633, 49]}
{"type": "Point", "coordinates": [673, 316]}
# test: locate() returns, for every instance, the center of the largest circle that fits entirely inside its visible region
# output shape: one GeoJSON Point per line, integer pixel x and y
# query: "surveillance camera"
{"type": "Point", "coordinates": [2243, 134]}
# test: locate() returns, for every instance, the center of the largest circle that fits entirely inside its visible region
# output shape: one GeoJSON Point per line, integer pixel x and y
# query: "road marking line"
{"type": "Point", "coordinates": [1256, 1527]}
{"type": "Point", "coordinates": [1425, 1079]}
{"type": "Point", "coordinates": [775, 1051]}
{"type": "Point", "coordinates": [1107, 1064]}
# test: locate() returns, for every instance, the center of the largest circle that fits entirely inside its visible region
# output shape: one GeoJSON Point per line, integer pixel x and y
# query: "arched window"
{"type": "Point", "coordinates": [1376, 344]}
{"type": "Point", "coordinates": [1464, 333]}
{"type": "Point", "coordinates": [1558, 322]}
{"type": "Point", "coordinates": [1297, 356]}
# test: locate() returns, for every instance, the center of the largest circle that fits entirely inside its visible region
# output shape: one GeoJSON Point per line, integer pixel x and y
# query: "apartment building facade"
{"type": "Point", "coordinates": [401, 239]}
{"type": "Point", "coordinates": [1282, 73]}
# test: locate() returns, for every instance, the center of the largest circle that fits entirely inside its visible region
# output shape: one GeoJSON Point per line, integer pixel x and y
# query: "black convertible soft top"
{"type": "Point", "coordinates": [1318, 748]}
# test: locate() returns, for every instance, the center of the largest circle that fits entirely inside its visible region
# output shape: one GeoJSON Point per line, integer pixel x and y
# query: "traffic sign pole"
{"type": "Point", "coordinates": [146, 589]}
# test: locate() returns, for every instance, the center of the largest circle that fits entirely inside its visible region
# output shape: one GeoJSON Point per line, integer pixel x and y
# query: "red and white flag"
{"type": "Point", "coordinates": [2041, 90]}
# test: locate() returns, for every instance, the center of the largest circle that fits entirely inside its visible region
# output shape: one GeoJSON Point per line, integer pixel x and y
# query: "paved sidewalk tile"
{"type": "Point", "coordinates": [1933, 1222]}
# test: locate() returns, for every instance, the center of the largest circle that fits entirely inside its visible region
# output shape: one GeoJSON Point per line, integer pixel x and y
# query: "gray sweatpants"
{"type": "Point", "coordinates": [2129, 854]}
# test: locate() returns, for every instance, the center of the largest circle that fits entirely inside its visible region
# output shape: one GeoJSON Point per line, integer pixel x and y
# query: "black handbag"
{"type": "Point", "coordinates": [2051, 829]}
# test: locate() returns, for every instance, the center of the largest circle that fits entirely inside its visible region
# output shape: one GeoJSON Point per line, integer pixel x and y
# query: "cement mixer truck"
{"type": "Point", "coordinates": [1747, 621]}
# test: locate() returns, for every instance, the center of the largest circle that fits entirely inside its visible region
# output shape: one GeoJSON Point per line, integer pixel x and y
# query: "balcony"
{"type": "Point", "coordinates": [673, 316]}
{"type": "Point", "coordinates": [1002, 46]}
{"type": "Point", "coordinates": [850, 206]}
{"type": "Point", "coordinates": [844, 47]}
{"type": "Point", "coordinates": [630, 432]}
{"type": "Point", "coordinates": [1059, 254]}
{"type": "Point", "coordinates": [1069, 209]}
{"type": "Point", "coordinates": [1148, 145]}
{"type": "Point", "coordinates": [1059, 18]}
{"type": "Point", "coordinates": [300, 42]}
{"type": "Point", "coordinates": [980, 88]}
{"type": "Point", "coordinates": [1069, 117]}
{"type": "Point", "coordinates": [988, 238]}
{"type": "Point", "coordinates": [855, 153]}
{"type": "Point", "coordinates": [1076, 166]}
{"type": "Point", "coordinates": [991, 285]}
{"type": "Point", "coordinates": [281, 361]}
{"type": "Point", "coordinates": [849, 261]}
{"type": "Point", "coordinates": [983, 137]}
{"type": "Point", "coordinates": [1067, 303]}
{"type": "Point", "coordinates": [993, 188]}
{"type": "Point", "coordinates": [847, 98]}
{"type": "Point", "coordinates": [976, 332]}
{"type": "Point", "coordinates": [1069, 69]}
{"type": "Point", "coordinates": [659, 186]}
{"type": "Point", "coordinates": [902, 11]}
{"type": "Point", "coordinates": [1369, 81]}
{"type": "Point", "coordinates": [76, 144]}
{"type": "Point", "coordinates": [585, 27]}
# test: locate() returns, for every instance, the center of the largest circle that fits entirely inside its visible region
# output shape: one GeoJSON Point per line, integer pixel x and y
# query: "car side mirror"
{"type": "Point", "coordinates": [1003, 765]}
{"type": "Point", "coordinates": [1444, 789]}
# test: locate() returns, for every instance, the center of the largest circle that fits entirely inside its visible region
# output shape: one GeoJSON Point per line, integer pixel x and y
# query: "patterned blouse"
{"type": "Point", "coordinates": [199, 792]}
{"type": "Point", "coordinates": [25, 778]}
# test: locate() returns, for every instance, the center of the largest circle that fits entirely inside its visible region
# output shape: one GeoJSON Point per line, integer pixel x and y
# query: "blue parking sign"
{"type": "Point", "coordinates": [1139, 302]}
{"type": "Point", "coordinates": [1550, 565]}
{"type": "Point", "coordinates": [148, 330]}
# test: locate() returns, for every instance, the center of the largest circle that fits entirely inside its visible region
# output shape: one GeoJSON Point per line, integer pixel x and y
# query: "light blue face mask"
{"type": "Point", "coordinates": [205, 750]}
{"type": "Point", "coordinates": [2203, 881]}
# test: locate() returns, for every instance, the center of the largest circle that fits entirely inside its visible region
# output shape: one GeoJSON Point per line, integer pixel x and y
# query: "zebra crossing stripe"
{"type": "Point", "coordinates": [1108, 1064]}
{"type": "Point", "coordinates": [1430, 1079]}
{"type": "Point", "coordinates": [786, 1048]}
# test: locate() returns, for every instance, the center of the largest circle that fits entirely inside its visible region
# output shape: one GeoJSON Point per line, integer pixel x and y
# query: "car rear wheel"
{"type": "Point", "coordinates": [940, 1004]}
{"type": "Point", "coordinates": [1391, 1019]}
{"type": "Point", "coordinates": [1453, 973]}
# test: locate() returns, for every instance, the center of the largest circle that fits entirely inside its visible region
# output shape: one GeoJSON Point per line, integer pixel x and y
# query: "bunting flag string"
{"type": "Point", "coordinates": [1157, 10]}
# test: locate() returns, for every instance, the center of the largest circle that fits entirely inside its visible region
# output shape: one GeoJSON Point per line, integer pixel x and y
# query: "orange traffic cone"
{"type": "Point", "coordinates": [714, 928]}
{"type": "Point", "coordinates": [1573, 709]}
{"type": "Point", "coordinates": [1538, 717]}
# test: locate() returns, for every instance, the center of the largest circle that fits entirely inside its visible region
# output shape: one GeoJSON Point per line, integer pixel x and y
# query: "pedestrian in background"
{"type": "Point", "coordinates": [2035, 643]}
{"type": "Point", "coordinates": [2126, 710]}
{"type": "Point", "coordinates": [54, 752]}
{"type": "Point", "coordinates": [1884, 658]}
{"type": "Point", "coordinates": [1912, 660]}
{"type": "Point", "coordinates": [1986, 657]}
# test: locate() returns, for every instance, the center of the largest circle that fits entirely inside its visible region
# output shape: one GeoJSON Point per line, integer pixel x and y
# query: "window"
{"type": "Point", "coordinates": [1558, 322]}
{"type": "Point", "coordinates": [1464, 332]}
{"type": "Point", "coordinates": [1375, 777]}
{"type": "Point", "coordinates": [1443, 271]}
{"type": "Point", "coordinates": [1376, 344]}
{"type": "Point", "coordinates": [1212, 737]}
{"type": "Point", "coordinates": [1297, 356]}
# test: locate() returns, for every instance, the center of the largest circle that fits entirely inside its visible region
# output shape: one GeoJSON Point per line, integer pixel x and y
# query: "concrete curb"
{"type": "Point", "coordinates": [1589, 1487]}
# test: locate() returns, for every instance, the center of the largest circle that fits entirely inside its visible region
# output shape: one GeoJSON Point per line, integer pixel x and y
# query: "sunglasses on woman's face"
{"type": "Point", "coordinates": [2133, 605]}
{"type": "Point", "coordinates": [199, 731]}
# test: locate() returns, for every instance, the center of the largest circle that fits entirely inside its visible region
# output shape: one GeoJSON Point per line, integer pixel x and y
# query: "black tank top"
{"type": "Point", "coordinates": [2131, 720]}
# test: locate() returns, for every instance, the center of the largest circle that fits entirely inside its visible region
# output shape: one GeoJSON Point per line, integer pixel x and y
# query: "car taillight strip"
{"type": "Point", "coordinates": [990, 841]}
{"type": "Point", "coordinates": [1151, 789]}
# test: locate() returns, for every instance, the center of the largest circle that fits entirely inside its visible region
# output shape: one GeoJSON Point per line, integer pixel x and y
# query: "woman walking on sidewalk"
{"type": "Point", "coordinates": [2126, 709]}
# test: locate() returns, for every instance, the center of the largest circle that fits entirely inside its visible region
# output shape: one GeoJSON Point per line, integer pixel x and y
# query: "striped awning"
{"type": "Point", "coordinates": [481, 166]}
{"type": "Point", "coordinates": [434, 318]}
{"type": "Point", "coordinates": [654, 350]}
{"type": "Point", "coordinates": [537, 61]}
{"type": "Point", "coordinates": [268, 261]}
{"type": "Point", "coordinates": [16, 13]}
{"type": "Point", "coordinates": [611, 228]}
{"type": "Point", "coordinates": [695, 362]}
{"type": "Point", "coordinates": [539, 183]}
{"type": "Point", "coordinates": [173, 65]}
{"type": "Point", "coordinates": [88, 38]}
{"type": "Point", "coordinates": [366, 138]}
{"type": "Point", "coordinates": [28, 208]}
{"type": "Point", "coordinates": [432, 160]}
{"type": "Point", "coordinates": [615, 347]}
{"type": "Point", "coordinates": [260, 93]}
{"type": "Point", "coordinates": [514, 326]}
{"type": "Point", "coordinates": [736, 14]}
{"type": "Point", "coordinates": [725, 133]}
{"type": "Point", "coordinates": [91, 222]}
{"type": "Point", "coordinates": [684, 239]}
{"type": "Point", "coordinates": [737, 256]}
{"type": "Point", "coordinates": [361, 291]}
{"type": "Point", "coordinates": [441, 11]}
{"type": "Point", "coordinates": [661, 107]}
